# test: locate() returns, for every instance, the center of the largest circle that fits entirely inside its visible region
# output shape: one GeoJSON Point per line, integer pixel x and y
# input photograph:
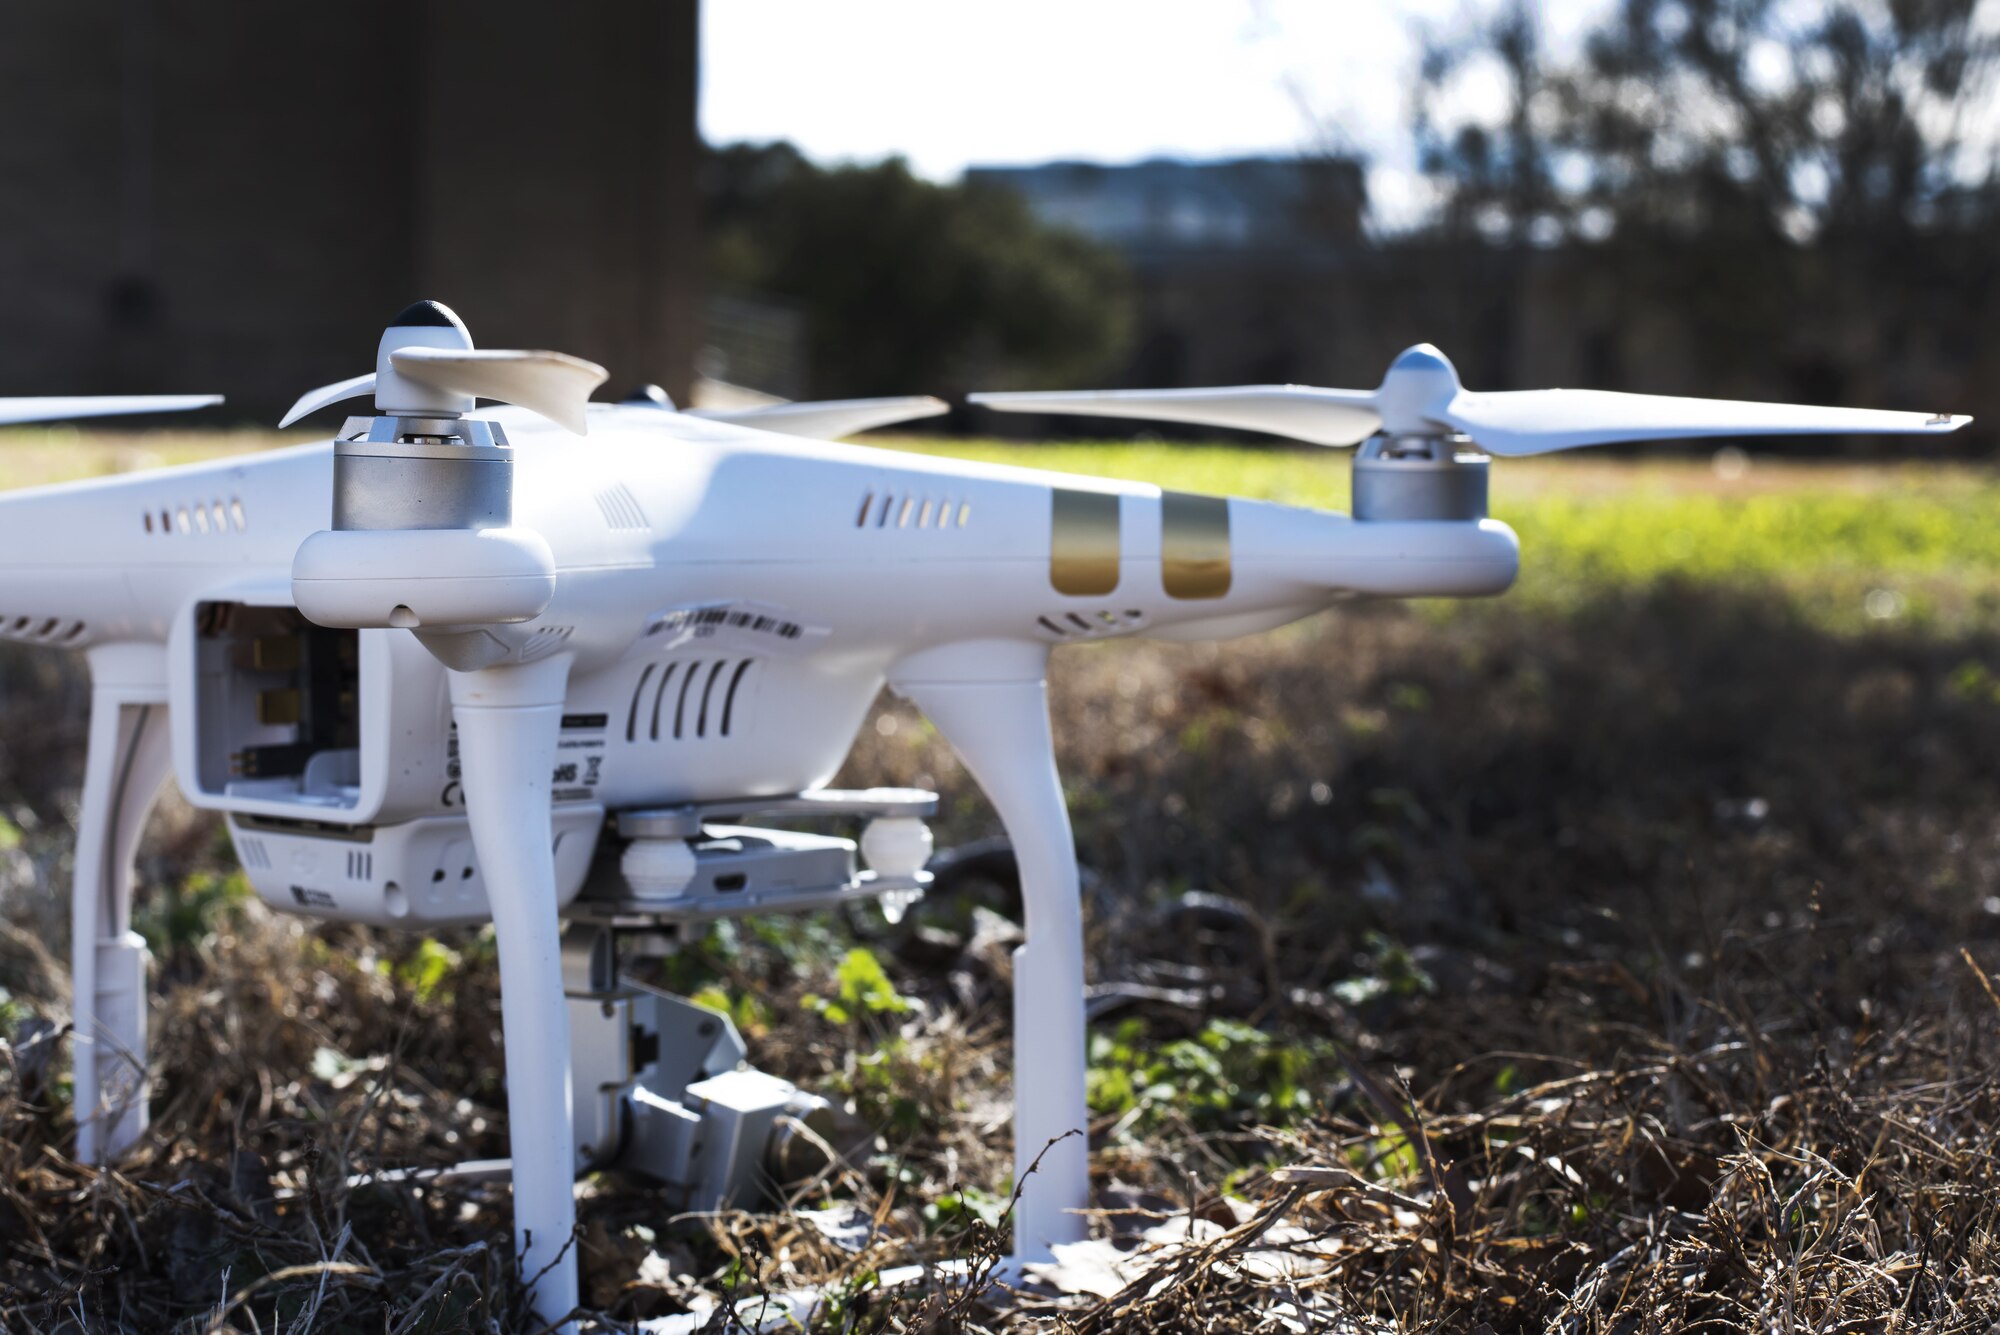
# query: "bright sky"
{"type": "Point", "coordinates": [948, 83]}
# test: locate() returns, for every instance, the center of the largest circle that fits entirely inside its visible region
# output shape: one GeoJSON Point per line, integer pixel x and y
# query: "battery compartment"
{"type": "Point", "coordinates": [279, 712]}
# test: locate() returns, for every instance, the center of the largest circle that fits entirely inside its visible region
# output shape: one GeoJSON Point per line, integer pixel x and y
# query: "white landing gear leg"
{"type": "Point", "coordinates": [508, 720]}
{"type": "Point", "coordinates": [990, 703]}
{"type": "Point", "coordinates": [130, 756]}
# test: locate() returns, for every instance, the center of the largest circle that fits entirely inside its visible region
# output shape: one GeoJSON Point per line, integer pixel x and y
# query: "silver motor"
{"type": "Point", "coordinates": [1419, 478]}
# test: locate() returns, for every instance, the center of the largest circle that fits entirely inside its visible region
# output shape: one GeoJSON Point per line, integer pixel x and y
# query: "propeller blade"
{"type": "Point", "coordinates": [1539, 421]}
{"type": "Point", "coordinates": [14, 411]}
{"type": "Point", "coordinates": [1321, 416]}
{"type": "Point", "coordinates": [315, 399]}
{"type": "Point", "coordinates": [830, 419]}
{"type": "Point", "coordinates": [554, 384]}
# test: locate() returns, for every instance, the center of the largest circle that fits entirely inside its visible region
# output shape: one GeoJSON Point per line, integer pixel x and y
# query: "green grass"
{"type": "Point", "coordinates": [38, 455]}
{"type": "Point", "coordinates": [1854, 544]}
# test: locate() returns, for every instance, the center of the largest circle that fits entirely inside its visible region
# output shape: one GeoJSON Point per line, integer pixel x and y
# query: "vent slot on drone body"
{"type": "Point", "coordinates": [255, 856]}
{"type": "Point", "coordinates": [197, 517]}
{"type": "Point", "coordinates": [688, 699]}
{"type": "Point", "coordinates": [41, 629]}
{"type": "Point", "coordinates": [1087, 625]}
{"type": "Point", "coordinates": [621, 508]}
{"type": "Point", "coordinates": [360, 864]}
{"type": "Point", "coordinates": [889, 509]}
{"type": "Point", "coordinates": [544, 642]}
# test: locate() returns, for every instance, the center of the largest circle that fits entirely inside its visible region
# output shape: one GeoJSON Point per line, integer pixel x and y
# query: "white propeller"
{"type": "Point", "coordinates": [554, 384]}
{"type": "Point", "coordinates": [830, 419]}
{"type": "Point", "coordinates": [315, 399]}
{"type": "Point", "coordinates": [824, 419]}
{"type": "Point", "coordinates": [1321, 416]}
{"type": "Point", "coordinates": [14, 411]}
{"type": "Point", "coordinates": [1421, 396]}
{"type": "Point", "coordinates": [426, 366]}
{"type": "Point", "coordinates": [1539, 421]}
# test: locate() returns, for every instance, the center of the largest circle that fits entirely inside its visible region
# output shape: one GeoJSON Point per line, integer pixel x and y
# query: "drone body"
{"type": "Point", "coordinates": [730, 604]}
{"type": "Point", "coordinates": [427, 691]}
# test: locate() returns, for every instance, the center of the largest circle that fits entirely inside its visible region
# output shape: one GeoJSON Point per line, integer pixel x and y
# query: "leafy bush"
{"type": "Point", "coordinates": [864, 991]}
{"type": "Point", "coordinates": [1229, 1075]}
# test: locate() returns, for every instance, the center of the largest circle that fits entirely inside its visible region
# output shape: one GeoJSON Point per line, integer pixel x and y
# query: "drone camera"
{"type": "Point", "coordinates": [663, 1088]}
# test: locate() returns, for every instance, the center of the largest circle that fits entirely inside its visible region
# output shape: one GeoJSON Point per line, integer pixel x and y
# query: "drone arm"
{"type": "Point", "coordinates": [990, 702]}
{"type": "Point", "coordinates": [130, 754]}
{"type": "Point", "coordinates": [507, 727]}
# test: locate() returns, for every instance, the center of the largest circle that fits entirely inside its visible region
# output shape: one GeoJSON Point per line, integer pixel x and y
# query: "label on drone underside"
{"type": "Point", "coordinates": [729, 625]}
{"type": "Point", "coordinates": [580, 749]}
{"type": "Point", "coordinates": [579, 760]}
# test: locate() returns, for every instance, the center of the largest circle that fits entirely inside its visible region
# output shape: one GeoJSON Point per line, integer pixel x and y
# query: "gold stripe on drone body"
{"type": "Point", "coordinates": [1083, 542]}
{"type": "Point", "coordinates": [1194, 545]}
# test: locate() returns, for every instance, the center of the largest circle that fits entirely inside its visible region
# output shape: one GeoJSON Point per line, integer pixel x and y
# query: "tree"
{"type": "Point", "coordinates": [907, 285]}
{"type": "Point", "coordinates": [1810, 187]}
{"type": "Point", "coordinates": [1744, 117]}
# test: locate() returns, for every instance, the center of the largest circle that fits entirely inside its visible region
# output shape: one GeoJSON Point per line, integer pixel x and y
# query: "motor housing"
{"type": "Point", "coordinates": [1405, 478]}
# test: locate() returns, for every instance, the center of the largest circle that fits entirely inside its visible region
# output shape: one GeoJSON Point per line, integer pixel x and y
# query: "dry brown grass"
{"type": "Point", "coordinates": [1708, 902]}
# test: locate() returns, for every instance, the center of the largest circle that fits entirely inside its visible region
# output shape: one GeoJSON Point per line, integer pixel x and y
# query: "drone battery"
{"type": "Point", "coordinates": [418, 873]}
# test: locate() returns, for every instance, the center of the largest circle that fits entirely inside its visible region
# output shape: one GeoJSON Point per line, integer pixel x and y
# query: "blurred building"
{"type": "Point", "coordinates": [1166, 212]}
{"type": "Point", "coordinates": [235, 195]}
{"type": "Point", "coordinates": [1230, 259]}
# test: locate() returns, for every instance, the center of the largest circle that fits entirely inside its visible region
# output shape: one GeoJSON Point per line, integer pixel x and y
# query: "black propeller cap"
{"type": "Point", "coordinates": [649, 396]}
{"type": "Point", "coordinates": [427, 315]}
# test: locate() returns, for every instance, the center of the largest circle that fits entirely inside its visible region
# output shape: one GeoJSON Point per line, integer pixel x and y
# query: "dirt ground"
{"type": "Point", "coordinates": [1623, 968]}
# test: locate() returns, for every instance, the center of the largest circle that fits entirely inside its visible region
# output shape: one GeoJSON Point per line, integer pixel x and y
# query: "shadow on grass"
{"type": "Point", "coordinates": [1681, 778]}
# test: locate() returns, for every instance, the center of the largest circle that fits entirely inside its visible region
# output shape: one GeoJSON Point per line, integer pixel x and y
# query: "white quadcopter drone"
{"type": "Point", "coordinates": [458, 665]}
